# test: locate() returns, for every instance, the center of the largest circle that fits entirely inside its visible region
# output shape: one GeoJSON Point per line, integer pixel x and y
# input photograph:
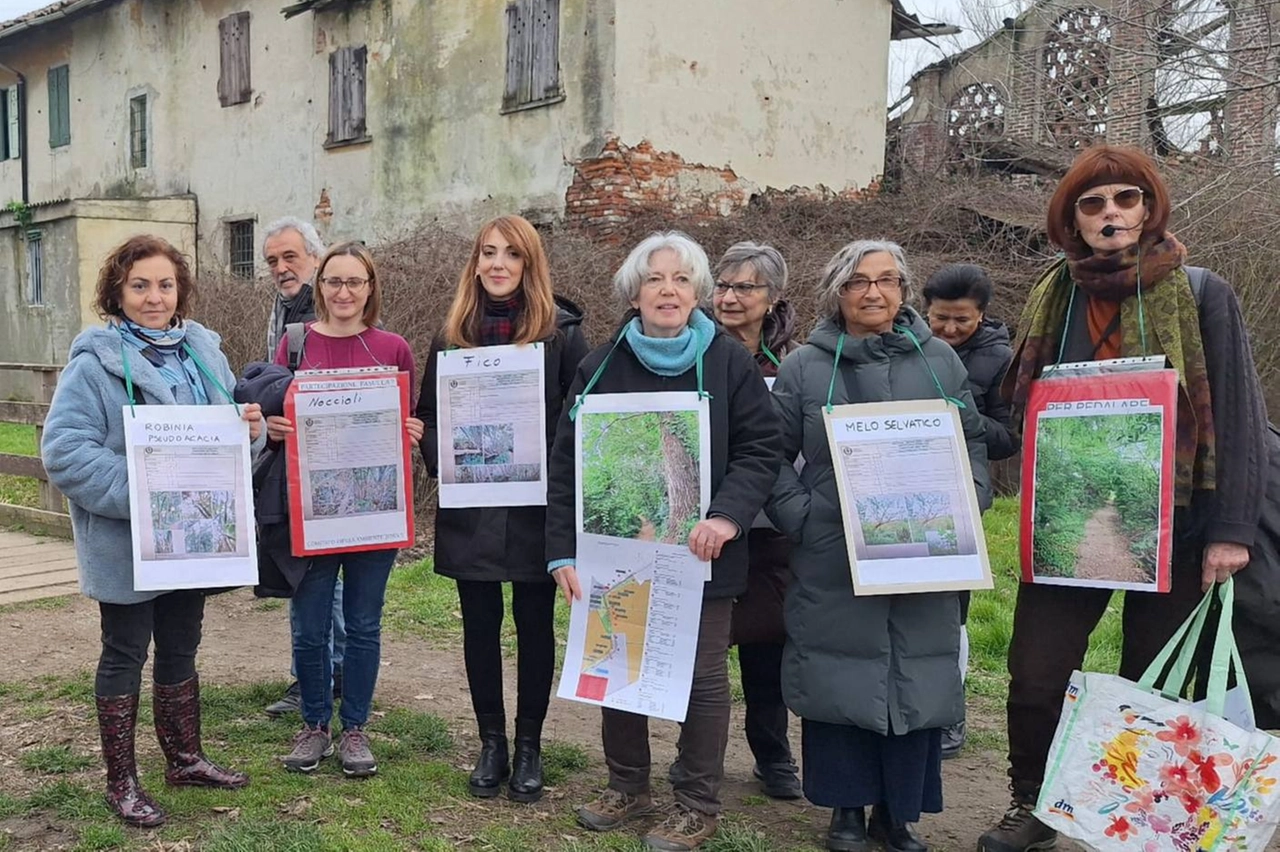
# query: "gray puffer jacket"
{"type": "Point", "coordinates": [885, 663]}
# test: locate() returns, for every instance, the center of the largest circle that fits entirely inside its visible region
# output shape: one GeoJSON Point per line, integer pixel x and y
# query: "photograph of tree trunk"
{"type": "Point", "coordinates": [640, 475]}
{"type": "Point", "coordinates": [1097, 497]}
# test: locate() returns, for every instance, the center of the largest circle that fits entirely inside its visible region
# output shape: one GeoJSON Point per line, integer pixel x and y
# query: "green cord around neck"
{"type": "Point", "coordinates": [901, 329]}
{"type": "Point", "coordinates": [204, 371]}
{"type": "Point", "coordinates": [595, 377]}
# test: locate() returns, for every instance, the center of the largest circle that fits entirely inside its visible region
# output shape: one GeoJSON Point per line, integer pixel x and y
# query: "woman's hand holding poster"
{"type": "Point", "coordinates": [1097, 474]}
{"type": "Point", "coordinates": [348, 462]}
{"type": "Point", "coordinates": [911, 519]}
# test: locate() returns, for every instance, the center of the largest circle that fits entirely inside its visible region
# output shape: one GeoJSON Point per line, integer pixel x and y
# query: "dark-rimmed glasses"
{"type": "Point", "coordinates": [1125, 199]}
{"type": "Point", "coordinates": [861, 283]}
{"type": "Point", "coordinates": [354, 285]}
{"type": "Point", "coordinates": [741, 289]}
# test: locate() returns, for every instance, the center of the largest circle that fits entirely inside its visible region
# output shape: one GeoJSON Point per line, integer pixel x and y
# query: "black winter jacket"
{"type": "Point", "coordinates": [745, 451]}
{"type": "Point", "coordinates": [987, 355]}
{"type": "Point", "coordinates": [501, 543]}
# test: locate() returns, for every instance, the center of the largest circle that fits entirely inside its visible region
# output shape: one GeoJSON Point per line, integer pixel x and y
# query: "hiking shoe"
{"type": "Point", "coordinates": [290, 702]}
{"type": "Point", "coordinates": [953, 740]}
{"type": "Point", "coordinates": [353, 751]}
{"type": "Point", "coordinates": [684, 829]}
{"type": "Point", "coordinates": [612, 809]}
{"type": "Point", "coordinates": [310, 746]}
{"type": "Point", "coordinates": [1018, 831]}
{"type": "Point", "coordinates": [779, 781]}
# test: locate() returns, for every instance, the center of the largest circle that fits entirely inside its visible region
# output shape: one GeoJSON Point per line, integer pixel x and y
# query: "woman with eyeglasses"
{"type": "Point", "coordinates": [874, 679]}
{"type": "Point", "coordinates": [748, 303]}
{"type": "Point", "coordinates": [666, 342]}
{"type": "Point", "coordinates": [1122, 279]}
{"type": "Point", "coordinates": [955, 303]}
{"type": "Point", "coordinates": [344, 336]}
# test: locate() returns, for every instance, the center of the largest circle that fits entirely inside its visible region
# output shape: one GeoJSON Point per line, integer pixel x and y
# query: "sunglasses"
{"type": "Point", "coordinates": [1125, 199]}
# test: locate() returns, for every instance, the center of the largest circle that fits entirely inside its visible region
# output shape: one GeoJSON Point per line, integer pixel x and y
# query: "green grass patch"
{"type": "Point", "coordinates": [96, 837]}
{"type": "Point", "coordinates": [54, 760]}
{"type": "Point", "coordinates": [69, 801]}
{"type": "Point", "coordinates": [265, 836]}
{"type": "Point", "coordinates": [21, 441]}
{"type": "Point", "coordinates": [561, 759]}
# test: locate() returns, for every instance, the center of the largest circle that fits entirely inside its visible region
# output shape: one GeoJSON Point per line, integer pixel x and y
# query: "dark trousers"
{"type": "Point", "coordinates": [173, 620]}
{"type": "Point", "coordinates": [1051, 627]}
{"type": "Point", "coordinates": [766, 722]}
{"type": "Point", "coordinates": [533, 608]}
{"type": "Point", "coordinates": [699, 768]}
{"type": "Point", "coordinates": [850, 767]}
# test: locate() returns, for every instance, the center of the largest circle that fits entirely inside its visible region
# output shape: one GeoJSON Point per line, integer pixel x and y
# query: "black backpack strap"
{"type": "Point", "coordinates": [1197, 275]}
{"type": "Point", "coordinates": [295, 333]}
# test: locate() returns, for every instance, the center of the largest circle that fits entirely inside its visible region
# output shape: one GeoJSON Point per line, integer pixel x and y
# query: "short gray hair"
{"type": "Point", "coordinates": [310, 238]}
{"type": "Point", "coordinates": [765, 260]}
{"type": "Point", "coordinates": [841, 267]}
{"type": "Point", "coordinates": [635, 269]}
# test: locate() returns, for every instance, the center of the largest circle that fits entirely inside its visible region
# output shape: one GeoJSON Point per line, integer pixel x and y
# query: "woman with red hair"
{"type": "Point", "coordinates": [1121, 290]}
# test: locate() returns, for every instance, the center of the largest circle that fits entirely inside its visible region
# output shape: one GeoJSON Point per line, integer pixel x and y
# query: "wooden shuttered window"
{"type": "Point", "coordinates": [347, 95]}
{"type": "Point", "coordinates": [533, 54]}
{"type": "Point", "coordinates": [233, 45]}
{"type": "Point", "coordinates": [59, 106]}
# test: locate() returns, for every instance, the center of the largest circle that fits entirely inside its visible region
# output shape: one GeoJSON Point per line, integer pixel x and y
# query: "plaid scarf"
{"type": "Point", "coordinates": [498, 322]}
{"type": "Point", "coordinates": [1173, 329]}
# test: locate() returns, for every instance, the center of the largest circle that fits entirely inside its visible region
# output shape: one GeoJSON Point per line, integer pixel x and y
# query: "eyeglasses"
{"type": "Point", "coordinates": [1125, 199]}
{"type": "Point", "coordinates": [861, 283]}
{"type": "Point", "coordinates": [354, 285]}
{"type": "Point", "coordinates": [741, 289]}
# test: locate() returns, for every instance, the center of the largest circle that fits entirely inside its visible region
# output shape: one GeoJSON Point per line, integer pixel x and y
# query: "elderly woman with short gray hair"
{"type": "Point", "coordinates": [668, 343]}
{"type": "Point", "coordinates": [874, 679]}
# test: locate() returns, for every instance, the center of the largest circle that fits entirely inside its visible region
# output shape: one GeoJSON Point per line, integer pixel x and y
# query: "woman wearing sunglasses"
{"type": "Point", "coordinates": [344, 336]}
{"type": "Point", "coordinates": [1109, 216]}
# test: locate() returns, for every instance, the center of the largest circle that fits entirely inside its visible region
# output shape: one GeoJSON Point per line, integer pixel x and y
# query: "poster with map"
{"type": "Point", "coordinates": [634, 633]}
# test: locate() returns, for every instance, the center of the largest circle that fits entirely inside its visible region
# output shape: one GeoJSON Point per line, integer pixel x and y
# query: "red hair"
{"type": "Point", "coordinates": [1098, 166]}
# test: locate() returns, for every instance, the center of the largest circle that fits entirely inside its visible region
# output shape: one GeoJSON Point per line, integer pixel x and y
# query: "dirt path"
{"type": "Point", "coordinates": [244, 643]}
{"type": "Point", "coordinates": [1104, 551]}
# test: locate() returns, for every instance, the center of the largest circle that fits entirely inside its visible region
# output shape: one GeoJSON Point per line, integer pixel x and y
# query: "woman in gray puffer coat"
{"type": "Point", "coordinates": [874, 679]}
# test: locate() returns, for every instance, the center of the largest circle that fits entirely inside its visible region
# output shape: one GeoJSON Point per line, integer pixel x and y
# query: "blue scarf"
{"type": "Point", "coordinates": [174, 365]}
{"type": "Point", "coordinates": [672, 356]}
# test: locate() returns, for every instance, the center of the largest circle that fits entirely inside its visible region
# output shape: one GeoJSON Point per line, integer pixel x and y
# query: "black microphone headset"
{"type": "Point", "coordinates": [1112, 230]}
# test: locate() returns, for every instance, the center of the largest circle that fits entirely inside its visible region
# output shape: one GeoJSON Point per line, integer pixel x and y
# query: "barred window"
{"type": "Point", "coordinates": [35, 268]}
{"type": "Point", "coordinates": [138, 132]}
{"type": "Point", "coordinates": [242, 253]}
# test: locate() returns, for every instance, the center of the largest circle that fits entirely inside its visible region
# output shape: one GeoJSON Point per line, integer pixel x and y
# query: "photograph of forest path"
{"type": "Point", "coordinates": [640, 475]}
{"type": "Point", "coordinates": [1097, 497]}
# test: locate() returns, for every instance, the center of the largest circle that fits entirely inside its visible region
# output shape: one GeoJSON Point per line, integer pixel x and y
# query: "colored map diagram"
{"type": "Point", "coordinates": [616, 625]}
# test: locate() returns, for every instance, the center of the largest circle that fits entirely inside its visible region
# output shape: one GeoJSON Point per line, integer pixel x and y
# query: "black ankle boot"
{"type": "Point", "coordinates": [896, 836]}
{"type": "Point", "coordinates": [494, 763]}
{"type": "Point", "coordinates": [526, 767]}
{"type": "Point", "coordinates": [848, 831]}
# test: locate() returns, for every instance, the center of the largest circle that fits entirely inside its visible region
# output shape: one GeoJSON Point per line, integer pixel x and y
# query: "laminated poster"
{"type": "Point", "coordinates": [644, 480]}
{"type": "Point", "coordinates": [1097, 474]}
{"type": "Point", "coordinates": [350, 486]}
{"type": "Point", "coordinates": [910, 511]}
{"type": "Point", "coordinates": [492, 418]}
{"type": "Point", "coordinates": [190, 497]}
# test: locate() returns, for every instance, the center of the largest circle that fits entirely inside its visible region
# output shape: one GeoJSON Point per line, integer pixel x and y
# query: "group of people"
{"type": "Point", "coordinates": [877, 681]}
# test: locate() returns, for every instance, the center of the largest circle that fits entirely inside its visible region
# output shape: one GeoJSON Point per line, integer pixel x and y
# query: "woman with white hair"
{"type": "Point", "coordinates": [873, 679]}
{"type": "Point", "coordinates": [668, 343]}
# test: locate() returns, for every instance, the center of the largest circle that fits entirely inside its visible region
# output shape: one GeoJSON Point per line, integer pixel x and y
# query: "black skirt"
{"type": "Point", "coordinates": [850, 767]}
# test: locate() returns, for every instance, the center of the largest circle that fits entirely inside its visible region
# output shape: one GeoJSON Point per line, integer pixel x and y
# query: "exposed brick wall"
{"type": "Point", "coordinates": [1251, 109]}
{"type": "Point", "coordinates": [924, 147]}
{"type": "Point", "coordinates": [622, 181]}
{"type": "Point", "coordinates": [1133, 22]}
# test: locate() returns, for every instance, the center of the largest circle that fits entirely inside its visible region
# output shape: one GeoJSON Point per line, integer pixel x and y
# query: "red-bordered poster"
{"type": "Point", "coordinates": [1097, 476]}
{"type": "Point", "coordinates": [349, 467]}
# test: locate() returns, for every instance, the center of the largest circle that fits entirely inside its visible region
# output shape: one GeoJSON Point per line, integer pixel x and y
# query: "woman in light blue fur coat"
{"type": "Point", "coordinates": [144, 292]}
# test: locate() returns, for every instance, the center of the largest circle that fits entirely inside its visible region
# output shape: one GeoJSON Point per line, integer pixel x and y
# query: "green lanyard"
{"type": "Point", "coordinates": [595, 377]}
{"type": "Point", "coordinates": [128, 377]}
{"type": "Point", "coordinates": [767, 353]}
{"type": "Point", "coordinates": [835, 368]}
{"type": "Point", "coordinates": [1065, 277]}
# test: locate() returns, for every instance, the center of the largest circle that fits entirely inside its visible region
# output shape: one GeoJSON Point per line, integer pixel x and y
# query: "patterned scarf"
{"type": "Point", "coordinates": [1172, 322]}
{"type": "Point", "coordinates": [162, 349]}
{"type": "Point", "coordinates": [498, 322]}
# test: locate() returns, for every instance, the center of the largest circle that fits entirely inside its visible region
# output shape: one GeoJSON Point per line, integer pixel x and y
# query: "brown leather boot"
{"type": "Point", "coordinates": [117, 718]}
{"type": "Point", "coordinates": [177, 712]}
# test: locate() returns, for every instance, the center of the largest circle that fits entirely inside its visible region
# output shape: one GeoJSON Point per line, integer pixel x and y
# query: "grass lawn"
{"type": "Point", "coordinates": [18, 440]}
{"type": "Point", "coordinates": [419, 799]}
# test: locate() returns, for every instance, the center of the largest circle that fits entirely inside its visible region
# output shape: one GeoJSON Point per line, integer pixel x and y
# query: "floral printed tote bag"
{"type": "Point", "coordinates": [1134, 766]}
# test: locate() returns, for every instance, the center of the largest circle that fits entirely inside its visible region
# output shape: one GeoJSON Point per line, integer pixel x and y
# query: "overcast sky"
{"type": "Point", "coordinates": [905, 59]}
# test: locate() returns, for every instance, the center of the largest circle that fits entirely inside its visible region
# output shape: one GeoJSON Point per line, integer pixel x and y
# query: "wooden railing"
{"type": "Point", "coordinates": [51, 514]}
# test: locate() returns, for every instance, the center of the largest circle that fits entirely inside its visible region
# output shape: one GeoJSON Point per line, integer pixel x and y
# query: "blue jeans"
{"type": "Point", "coordinates": [364, 577]}
{"type": "Point", "coordinates": [337, 636]}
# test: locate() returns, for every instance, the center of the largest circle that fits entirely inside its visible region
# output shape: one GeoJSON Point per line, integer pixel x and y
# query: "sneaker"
{"type": "Point", "coordinates": [290, 702]}
{"type": "Point", "coordinates": [310, 746]}
{"type": "Point", "coordinates": [779, 781]}
{"type": "Point", "coordinates": [1018, 831]}
{"type": "Point", "coordinates": [953, 740]}
{"type": "Point", "coordinates": [683, 830]}
{"type": "Point", "coordinates": [353, 751]}
{"type": "Point", "coordinates": [612, 809]}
